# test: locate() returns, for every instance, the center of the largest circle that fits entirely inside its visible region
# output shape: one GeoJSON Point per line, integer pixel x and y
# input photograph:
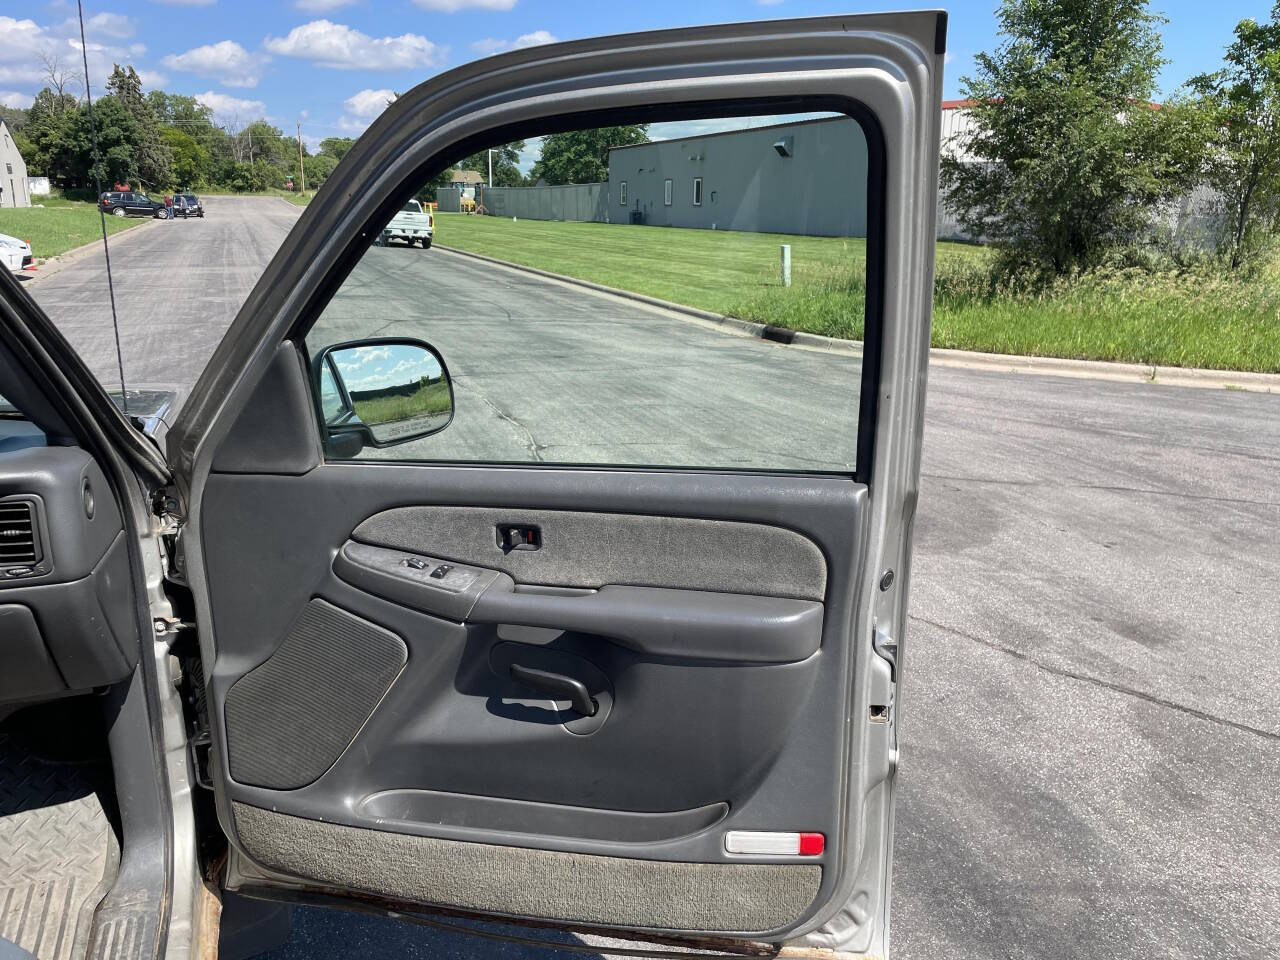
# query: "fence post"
{"type": "Point", "coordinates": [786, 264]}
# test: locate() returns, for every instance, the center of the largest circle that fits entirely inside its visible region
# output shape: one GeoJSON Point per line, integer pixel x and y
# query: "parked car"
{"type": "Point", "coordinates": [15, 253]}
{"type": "Point", "coordinates": [336, 661]}
{"type": "Point", "coordinates": [187, 205]}
{"type": "Point", "coordinates": [123, 203]}
{"type": "Point", "coordinates": [411, 225]}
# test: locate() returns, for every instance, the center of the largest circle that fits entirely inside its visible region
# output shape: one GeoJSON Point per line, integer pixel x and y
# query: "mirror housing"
{"type": "Point", "coordinates": [380, 392]}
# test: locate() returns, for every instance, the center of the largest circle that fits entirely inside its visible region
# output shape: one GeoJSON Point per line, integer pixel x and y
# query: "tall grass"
{"type": "Point", "coordinates": [1184, 318]}
{"type": "Point", "coordinates": [429, 400]}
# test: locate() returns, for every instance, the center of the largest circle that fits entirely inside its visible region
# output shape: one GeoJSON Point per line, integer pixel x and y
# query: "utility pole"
{"type": "Point", "coordinates": [491, 168]}
{"type": "Point", "coordinates": [302, 171]}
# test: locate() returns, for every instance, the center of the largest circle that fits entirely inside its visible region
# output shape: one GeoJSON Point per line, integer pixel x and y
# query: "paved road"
{"type": "Point", "coordinates": [178, 285]}
{"type": "Point", "coordinates": [1091, 723]}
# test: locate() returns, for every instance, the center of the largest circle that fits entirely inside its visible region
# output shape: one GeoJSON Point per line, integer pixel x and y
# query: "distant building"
{"type": "Point", "coordinates": [808, 177]}
{"type": "Point", "coordinates": [466, 182]}
{"type": "Point", "coordinates": [15, 190]}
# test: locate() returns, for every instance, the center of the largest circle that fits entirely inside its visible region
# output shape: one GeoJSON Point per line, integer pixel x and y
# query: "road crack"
{"type": "Point", "coordinates": [1098, 681]}
{"type": "Point", "coordinates": [535, 449]}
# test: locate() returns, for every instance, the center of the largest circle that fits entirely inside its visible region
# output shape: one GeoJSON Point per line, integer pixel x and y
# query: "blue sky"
{"type": "Point", "coordinates": [332, 63]}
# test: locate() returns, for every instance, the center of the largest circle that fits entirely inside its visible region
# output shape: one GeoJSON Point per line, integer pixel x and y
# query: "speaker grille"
{"type": "Point", "coordinates": [291, 717]}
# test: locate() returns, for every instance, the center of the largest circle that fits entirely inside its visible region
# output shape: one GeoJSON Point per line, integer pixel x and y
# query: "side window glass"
{"type": "Point", "coordinates": [533, 369]}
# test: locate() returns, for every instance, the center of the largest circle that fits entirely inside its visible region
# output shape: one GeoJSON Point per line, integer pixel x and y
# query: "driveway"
{"type": "Point", "coordinates": [1091, 728]}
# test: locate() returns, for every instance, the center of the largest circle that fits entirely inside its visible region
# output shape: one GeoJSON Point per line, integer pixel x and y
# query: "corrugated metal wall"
{"type": "Point", "coordinates": [819, 188]}
{"type": "Point", "coordinates": [577, 201]}
{"type": "Point", "coordinates": [448, 199]}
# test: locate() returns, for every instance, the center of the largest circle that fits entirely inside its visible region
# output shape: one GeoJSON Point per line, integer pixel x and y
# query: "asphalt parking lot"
{"type": "Point", "coordinates": [1091, 722]}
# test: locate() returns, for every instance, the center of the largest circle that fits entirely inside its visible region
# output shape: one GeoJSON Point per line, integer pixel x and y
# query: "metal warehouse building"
{"type": "Point", "coordinates": [807, 177]}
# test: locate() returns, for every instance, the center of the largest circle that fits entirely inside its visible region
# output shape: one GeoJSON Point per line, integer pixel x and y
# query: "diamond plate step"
{"type": "Point", "coordinates": [56, 846]}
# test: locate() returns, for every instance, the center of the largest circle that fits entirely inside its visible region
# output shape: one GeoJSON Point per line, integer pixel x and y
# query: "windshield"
{"type": "Point", "coordinates": [412, 207]}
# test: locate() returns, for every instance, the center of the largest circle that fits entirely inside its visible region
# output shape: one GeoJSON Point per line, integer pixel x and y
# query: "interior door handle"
{"type": "Point", "coordinates": [558, 686]}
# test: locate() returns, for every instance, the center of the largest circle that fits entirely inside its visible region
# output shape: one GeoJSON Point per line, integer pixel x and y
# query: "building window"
{"type": "Point", "coordinates": [622, 194]}
{"type": "Point", "coordinates": [697, 191]}
{"type": "Point", "coordinates": [666, 192]}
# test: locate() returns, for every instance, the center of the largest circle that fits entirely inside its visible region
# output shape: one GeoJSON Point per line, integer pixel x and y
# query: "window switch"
{"type": "Point", "coordinates": [440, 572]}
{"type": "Point", "coordinates": [417, 563]}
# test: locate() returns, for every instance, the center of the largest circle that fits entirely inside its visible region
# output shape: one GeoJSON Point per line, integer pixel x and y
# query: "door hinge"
{"type": "Point", "coordinates": [170, 626]}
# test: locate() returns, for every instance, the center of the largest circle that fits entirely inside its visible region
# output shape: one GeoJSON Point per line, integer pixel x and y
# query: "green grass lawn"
{"type": "Point", "coordinates": [718, 270]}
{"type": "Point", "coordinates": [1170, 319]}
{"type": "Point", "coordinates": [61, 226]}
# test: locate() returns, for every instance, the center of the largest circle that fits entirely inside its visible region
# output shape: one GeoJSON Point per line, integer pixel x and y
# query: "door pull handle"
{"type": "Point", "coordinates": [558, 686]}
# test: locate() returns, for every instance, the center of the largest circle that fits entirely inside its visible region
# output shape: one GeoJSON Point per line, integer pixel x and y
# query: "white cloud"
{"type": "Point", "coordinates": [232, 108]}
{"type": "Point", "coordinates": [343, 48]}
{"type": "Point", "coordinates": [153, 79]}
{"type": "Point", "coordinates": [225, 61]}
{"type": "Point", "coordinates": [453, 6]}
{"type": "Point", "coordinates": [369, 103]}
{"type": "Point", "coordinates": [186, 3]}
{"type": "Point", "coordinates": [362, 108]}
{"type": "Point", "coordinates": [321, 6]}
{"type": "Point", "coordinates": [114, 25]}
{"type": "Point", "coordinates": [489, 45]}
{"type": "Point", "coordinates": [11, 98]}
{"type": "Point", "coordinates": [535, 39]}
{"type": "Point", "coordinates": [23, 41]}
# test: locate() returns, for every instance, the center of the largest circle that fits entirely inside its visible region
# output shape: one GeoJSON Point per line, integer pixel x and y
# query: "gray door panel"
{"type": "Point", "coordinates": [695, 738]}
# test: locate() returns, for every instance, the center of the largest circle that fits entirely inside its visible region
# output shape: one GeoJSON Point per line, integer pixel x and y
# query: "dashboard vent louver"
{"type": "Point", "coordinates": [17, 533]}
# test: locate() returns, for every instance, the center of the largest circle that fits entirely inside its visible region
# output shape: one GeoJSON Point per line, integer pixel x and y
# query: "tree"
{"type": "Point", "coordinates": [1068, 156]}
{"type": "Point", "coordinates": [58, 80]}
{"type": "Point", "coordinates": [1243, 100]}
{"type": "Point", "coordinates": [117, 137]}
{"type": "Point", "coordinates": [190, 160]}
{"type": "Point", "coordinates": [506, 160]}
{"type": "Point", "coordinates": [318, 169]}
{"type": "Point", "coordinates": [154, 158]}
{"type": "Point", "coordinates": [336, 147]}
{"type": "Point", "coordinates": [582, 156]}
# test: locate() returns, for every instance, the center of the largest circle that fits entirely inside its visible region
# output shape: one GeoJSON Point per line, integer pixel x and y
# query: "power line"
{"type": "Point", "coordinates": [102, 215]}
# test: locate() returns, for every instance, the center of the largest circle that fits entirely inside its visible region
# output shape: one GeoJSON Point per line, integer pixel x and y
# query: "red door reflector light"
{"type": "Point", "coordinates": [767, 843]}
{"type": "Point", "coordinates": [812, 844]}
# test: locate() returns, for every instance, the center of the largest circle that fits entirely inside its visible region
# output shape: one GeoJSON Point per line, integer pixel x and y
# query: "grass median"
{"type": "Point", "coordinates": [60, 226]}
{"type": "Point", "coordinates": [1188, 319]}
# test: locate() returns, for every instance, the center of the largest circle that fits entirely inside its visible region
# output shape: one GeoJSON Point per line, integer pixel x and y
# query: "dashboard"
{"type": "Point", "coordinates": [66, 618]}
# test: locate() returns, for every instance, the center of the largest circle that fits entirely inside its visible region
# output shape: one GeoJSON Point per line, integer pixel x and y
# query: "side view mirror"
{"type": "Point", "coordinates": [381, 392]}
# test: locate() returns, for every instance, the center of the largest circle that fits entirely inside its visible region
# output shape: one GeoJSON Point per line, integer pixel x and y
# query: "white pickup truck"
{"type": "Point", "coordinates": [410, 225]}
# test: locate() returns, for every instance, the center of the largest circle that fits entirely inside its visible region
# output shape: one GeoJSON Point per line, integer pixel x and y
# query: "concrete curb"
{"type": "Point", "coordinates": [54, 264]}
{"type": "Point", "coordinates": [958, 359]}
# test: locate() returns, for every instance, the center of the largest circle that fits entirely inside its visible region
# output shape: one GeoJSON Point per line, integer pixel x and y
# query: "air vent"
{"type": "Point", "coordinates": [17, 533]}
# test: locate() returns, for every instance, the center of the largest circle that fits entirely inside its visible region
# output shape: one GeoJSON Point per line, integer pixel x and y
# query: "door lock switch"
{"type": "Point", "coordinates": [440, 572]}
